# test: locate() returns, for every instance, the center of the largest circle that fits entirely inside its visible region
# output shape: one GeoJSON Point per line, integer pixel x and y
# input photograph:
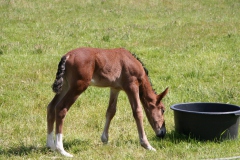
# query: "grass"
{"type": "Point", "coordinates": [191, 46]}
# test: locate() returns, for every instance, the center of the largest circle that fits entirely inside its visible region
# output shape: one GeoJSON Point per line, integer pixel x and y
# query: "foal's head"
{"type": "Point", "coordinates": [155, 114]}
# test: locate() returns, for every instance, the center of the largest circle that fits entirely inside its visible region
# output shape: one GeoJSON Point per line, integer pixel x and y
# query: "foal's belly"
{"type": "Point", "coordinates": [105, 83]}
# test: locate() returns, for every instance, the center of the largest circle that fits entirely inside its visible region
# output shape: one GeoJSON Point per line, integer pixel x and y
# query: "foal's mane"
{"type": "Point", "coordinates": [145, 69]}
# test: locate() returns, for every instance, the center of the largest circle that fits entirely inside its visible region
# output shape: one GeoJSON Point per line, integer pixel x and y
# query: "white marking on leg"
{"type": "Point", "coordinates": [50, 141]}
{"type": "Point", "coordinates": [59, 145]}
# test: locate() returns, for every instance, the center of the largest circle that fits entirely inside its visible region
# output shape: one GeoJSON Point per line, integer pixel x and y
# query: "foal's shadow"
{"type": "Point", "coordinates": [21, 150]}
{"type": "Point", "coordinates": [174, 137]}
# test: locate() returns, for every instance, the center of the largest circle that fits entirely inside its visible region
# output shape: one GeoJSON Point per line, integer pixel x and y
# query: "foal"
{"type": "Point", "coordinates": [114, 68]}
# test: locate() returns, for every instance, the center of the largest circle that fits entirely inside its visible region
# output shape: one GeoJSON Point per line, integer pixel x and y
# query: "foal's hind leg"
{"type": "Point", "coordinates": [61, 110]}
{"type": "Point", "coordinates": [110, 113]}
{"type": "Point", "coordinates": [50, 122]}
{"type": "Point", "coordinates": [51, 117]}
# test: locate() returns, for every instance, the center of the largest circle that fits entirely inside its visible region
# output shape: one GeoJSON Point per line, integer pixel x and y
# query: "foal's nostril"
{"type": "Point", "coordinates": [161, 132]}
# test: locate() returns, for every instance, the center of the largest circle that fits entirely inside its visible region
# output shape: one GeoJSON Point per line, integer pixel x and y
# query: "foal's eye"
{"type": "Point", "coordinates": [163, 110]}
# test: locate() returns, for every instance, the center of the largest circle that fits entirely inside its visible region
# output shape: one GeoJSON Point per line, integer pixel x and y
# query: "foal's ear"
{"type": "Point", "coordinates": [162, 95]}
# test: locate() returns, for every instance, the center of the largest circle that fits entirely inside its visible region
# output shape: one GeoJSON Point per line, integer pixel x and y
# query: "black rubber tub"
{"type": "Point", "coordinates": [207, 121]}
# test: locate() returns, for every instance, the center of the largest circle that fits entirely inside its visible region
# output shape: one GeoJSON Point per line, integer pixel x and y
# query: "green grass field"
{"type": "Point", "coordinates": [191, 46]}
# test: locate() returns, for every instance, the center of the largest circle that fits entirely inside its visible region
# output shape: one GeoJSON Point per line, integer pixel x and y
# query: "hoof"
{"type": "Point", "coordinates": [104, 139]}
{"type": "Point", "coordinates": [151, 148]}
{"type": "Point", "coordinates": [64, 153]}
{"type": "Point", "coordinates": [51, 148]}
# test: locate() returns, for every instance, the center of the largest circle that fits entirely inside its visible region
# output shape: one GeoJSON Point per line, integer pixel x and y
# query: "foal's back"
{"type": "Point", "coordinates": [104, 67]}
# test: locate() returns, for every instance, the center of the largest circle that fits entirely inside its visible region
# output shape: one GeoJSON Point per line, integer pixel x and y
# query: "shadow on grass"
{"type": "Point", "coordinates": [175, 137]}
{"type": "Point", "coordinates": [21, 150]}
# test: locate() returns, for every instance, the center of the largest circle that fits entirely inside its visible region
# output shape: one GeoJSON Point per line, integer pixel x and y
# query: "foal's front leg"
{"type": "Point", "coordinates": [133, 97]}
{"type": "Point", "coordinates": [110, 113]}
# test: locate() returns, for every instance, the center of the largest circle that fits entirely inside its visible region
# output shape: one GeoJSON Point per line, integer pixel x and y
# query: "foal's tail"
{"type": "Point", "coordinates": [58, 83]}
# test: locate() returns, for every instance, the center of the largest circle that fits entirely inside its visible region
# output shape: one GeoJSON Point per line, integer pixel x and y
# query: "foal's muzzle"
{"type": "Point", "coordinates": [161, 133]}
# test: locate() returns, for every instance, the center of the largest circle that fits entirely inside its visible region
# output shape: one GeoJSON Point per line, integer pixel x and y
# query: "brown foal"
{"type": "Point", "coordinates": [114, 68]}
